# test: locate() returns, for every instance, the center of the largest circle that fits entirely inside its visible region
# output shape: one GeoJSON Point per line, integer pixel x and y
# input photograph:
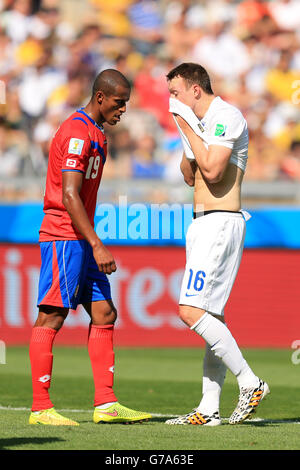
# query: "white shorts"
{"type": "Point", "coordinates": [214, 247]}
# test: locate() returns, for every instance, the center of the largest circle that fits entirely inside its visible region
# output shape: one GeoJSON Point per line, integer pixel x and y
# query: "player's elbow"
{"type": "Point", "coordinates": [213, 176]}
{"type": "Point", "coordinates": [68, 198]}
{"type": "Point", "coordinates": [215, 179]}
{"type": "Point", "coordinates": [189, 180]}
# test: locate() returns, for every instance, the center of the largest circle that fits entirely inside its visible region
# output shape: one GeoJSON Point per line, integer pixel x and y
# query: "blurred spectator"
{"type": "Point", "coordinates": [129, 64]}
{"type": "Point", "coordinates": [146, 25]}
{"type": "Point", "coordinates": [6, 52]}
{"type": "Point", "coordinates": [14, 116]}
{"type": "Point", "coordinates": [151, 87]}
{"type": "Point", "coordinates": [222, 52]}
{"type": "Point", "coordinates": [251, 12]}
{"type": "Point", "coordinates": [290, 165]}
{"type": "Point", "coordinates": [289, 131]}
{"type": "Point", "coordinates": [224, 10]}
{"type": "Point", "coordinates": [69, 96]}
{"type": "Point", "coordinates": [140, 122]}
{"type": "Point", "coordinates": [41, 140]}
{"type": "Point", "coordinates": [112, 16]}
{"type": "Point", "coordinates": [17, 20]}
{"type": "Point", "coordinates": [143, 163]}
{"type": "Point", "coordinates": [280, 115]}
{"type": "Point", "coordinates": [184, 22]}
{"type": "Point", "coordinates": [121, 144]}
{"type": "Point", "coordinates": [264, 159]}
{"type": "Point", "coordinates": [261, 58]}
{"type": "Point", "coordinates": [280, 79]}
{"type": "Point", "coordinates": [286, 14]}
{"type": "Point", "coordinates": [11, 153]}
{"type": "Point", "coordinates": [38, 82]}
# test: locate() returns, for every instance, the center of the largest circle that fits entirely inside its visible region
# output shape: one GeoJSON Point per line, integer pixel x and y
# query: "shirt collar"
{"type": "Point", "coordinates": [80, 110]}
{"type": "Point", "coordinates": [211, 107]}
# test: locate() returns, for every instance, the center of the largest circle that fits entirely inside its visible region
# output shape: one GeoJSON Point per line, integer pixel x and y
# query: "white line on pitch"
{"type": "Point", "coordinates": [10, 408]}
{"type": "Point", "coordinates": [157, 415]}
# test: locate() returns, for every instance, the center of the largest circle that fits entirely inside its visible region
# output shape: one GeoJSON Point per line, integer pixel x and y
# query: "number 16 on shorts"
{"type": "Point", "coordinates": [195, 281]}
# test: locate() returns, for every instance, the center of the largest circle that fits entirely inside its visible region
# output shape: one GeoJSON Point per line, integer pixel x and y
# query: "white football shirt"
{"type": "Point", "coordinates": [225, 125]}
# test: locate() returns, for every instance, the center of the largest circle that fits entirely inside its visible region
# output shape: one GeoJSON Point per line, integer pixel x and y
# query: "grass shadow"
{"type": "Point", "coordinates": [268, 422]}
{"type": "Point", "coordinates": [158, 419]}
{"type": "Point", "coordinates": [18, 441]}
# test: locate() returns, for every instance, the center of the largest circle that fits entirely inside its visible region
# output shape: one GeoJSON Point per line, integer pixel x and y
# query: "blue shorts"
{"type": "Point", "coordinates": [69, 275]}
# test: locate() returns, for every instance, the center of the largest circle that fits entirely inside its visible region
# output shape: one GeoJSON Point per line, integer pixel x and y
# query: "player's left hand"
{"type": "Point", "coordinates": [104, 260]}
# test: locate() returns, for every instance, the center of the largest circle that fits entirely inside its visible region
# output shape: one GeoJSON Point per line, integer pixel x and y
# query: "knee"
{"type": "Point", "coordinates": [186, 314]}
{"type": "Point", "coordinates": [183, 314]}
{"type": "Point", "coordinates": [48, 318]}
{"type": "Point", "coordinates": [57, 323]}
{"type": "Point", "coordinates": [190, 315]}
{"type": "Point", "coordinates": [111, 316]}
{"type": "Point", "coordinates": [107, 316]}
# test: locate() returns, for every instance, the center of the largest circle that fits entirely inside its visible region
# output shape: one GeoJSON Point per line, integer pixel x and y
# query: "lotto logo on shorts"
{"type": "Point", "coordinates": [75, 146]}
{"type": "Point", "coordinates": [71, 163]}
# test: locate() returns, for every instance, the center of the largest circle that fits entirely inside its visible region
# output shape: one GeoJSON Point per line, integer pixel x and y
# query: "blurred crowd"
{"type": "Point", "coordinates": [51, 51]}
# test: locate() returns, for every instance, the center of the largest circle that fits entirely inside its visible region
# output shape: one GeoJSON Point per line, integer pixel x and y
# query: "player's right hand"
{"type": "Point", "coordinates": [104, 260]}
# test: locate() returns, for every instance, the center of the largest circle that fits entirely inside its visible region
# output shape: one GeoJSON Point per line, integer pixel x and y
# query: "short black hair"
{"type": "Point", "coordinates": [108, 80]}
{"type": "Point", "coordinates": [192, 74]}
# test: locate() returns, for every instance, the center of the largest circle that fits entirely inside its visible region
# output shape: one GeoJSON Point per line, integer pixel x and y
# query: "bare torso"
{"type": "Point", "coordinates": [225, 195]}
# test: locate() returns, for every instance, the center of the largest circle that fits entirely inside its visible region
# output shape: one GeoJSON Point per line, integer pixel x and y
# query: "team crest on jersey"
{"type": "Point", "coordinates": [75, 146]}
{"type": "Point", "coordinates": [220, 130]}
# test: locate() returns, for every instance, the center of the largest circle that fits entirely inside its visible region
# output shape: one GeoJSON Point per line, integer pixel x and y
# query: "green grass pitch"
{"type": "Point", "coordinates": [166, 382]}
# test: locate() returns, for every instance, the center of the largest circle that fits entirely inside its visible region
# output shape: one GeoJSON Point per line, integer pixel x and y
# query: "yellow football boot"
{"type": "Point", "coordinates": [50, 417]}
{"type": "Point", "coordinates": [117, 413]}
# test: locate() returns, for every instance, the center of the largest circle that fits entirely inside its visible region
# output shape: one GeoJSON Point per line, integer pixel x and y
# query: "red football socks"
{"type": "Point", "coordinates": [41, 359]}
{"type": "Point", "coordinates": [100, 348]}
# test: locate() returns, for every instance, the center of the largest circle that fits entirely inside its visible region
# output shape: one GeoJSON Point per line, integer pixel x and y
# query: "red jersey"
{"type": "Point", "coordinates": [78, 145]}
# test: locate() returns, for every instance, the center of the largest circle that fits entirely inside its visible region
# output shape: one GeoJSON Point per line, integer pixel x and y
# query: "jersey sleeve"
{"type": "Point", "coordinates": [226, 127]}
{"type": "Point", "coordinates": [76, 147]}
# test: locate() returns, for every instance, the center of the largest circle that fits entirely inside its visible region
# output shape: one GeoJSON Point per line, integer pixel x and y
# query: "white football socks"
{"type": "Point", "coordinates": [214, 371]}
{"type": "Point", "coordinates": [224, 346]}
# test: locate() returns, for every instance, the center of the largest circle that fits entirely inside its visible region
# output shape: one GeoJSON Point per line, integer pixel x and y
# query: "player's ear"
{"type": "Point", "coordinates": [197, 91]}
{"type": "Point", "coordinates": [100, 96]}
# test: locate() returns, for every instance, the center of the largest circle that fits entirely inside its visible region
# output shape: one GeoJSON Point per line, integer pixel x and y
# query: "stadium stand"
{"type": "Point", "coordinates": [50, 51]}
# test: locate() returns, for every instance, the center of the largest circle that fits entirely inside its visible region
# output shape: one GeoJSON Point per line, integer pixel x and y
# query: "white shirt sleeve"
{"type": "Point", "coordinates": [225, 128]}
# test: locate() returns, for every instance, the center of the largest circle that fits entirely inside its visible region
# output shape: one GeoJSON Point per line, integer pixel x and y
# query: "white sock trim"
{"type": "Point", "coordinates": [198, 321]}
{"type": "Point", "coordinates": [105, 405]}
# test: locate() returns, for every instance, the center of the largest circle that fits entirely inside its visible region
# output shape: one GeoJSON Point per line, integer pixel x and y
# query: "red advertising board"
{"type": "Point", "coordinates": [263, 310]}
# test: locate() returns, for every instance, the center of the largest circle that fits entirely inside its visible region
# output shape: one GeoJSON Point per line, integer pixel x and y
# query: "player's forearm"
{"type": "Point", "coordinates": [209, 167]}
{"type": "Point", "coordinates": [79, 217]}
{"type": "Point", "coordinates": [212, 167]}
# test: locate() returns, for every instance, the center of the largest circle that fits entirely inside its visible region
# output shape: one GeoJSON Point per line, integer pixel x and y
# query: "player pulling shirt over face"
{"type": "Point", "coordinates": [215, 141]}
